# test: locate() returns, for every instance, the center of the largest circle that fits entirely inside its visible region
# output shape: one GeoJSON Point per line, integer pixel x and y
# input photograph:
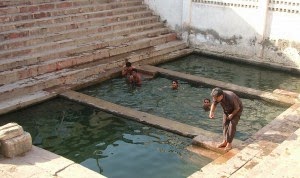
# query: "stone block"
{"type": "Point", "coordinates": [17, 145]}
{"type": "Point", "coordinates": [46, 7]}
{"type": "Point", "coordinates": [64, 5]}
{"type": "Point", "coordinates": [10, 130]}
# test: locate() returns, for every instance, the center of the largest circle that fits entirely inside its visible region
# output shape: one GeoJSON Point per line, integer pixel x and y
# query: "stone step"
{"type": "Point", "coordinates": [56, 28]}
{"type": "Point", "coordinates": [61, 63]}
{"type": "Point", "coordinates": [89, 39]}
{"type": "Point", "coordinates": [85, 73]}
{"type": "Point", "coordinates": [28, 99]}
{"type": "Point", "coordinates": [15, 53]}
{"type": "Point", "coordinates": [24, 100]}
{"type": "Point", "coordinates": [74, 41]}
{"type": "Point", "coordinates": [203, 152]}
{"type": "Point", "coordinates": [7, 64]}
{"type": "Point", "coordinates": [10, 44]}
{"type": "Point", "coordinates": [30, 18]}
{"type": "Point", "coordinates": [151, 55]}
{"type": "Point", "coordinates": [7, 3]}
{"type": "Point", "coordinates": [70, 15]}
{"type": "Point", "coordinates": [21, 6]}
{"type": "Point", "coordinates": [148, 22]}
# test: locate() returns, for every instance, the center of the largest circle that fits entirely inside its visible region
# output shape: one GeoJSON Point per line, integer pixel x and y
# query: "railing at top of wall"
{"type": "Point", "coordinates": [231, 3]}
{"type": "Point", "coordinates": [286, 6]}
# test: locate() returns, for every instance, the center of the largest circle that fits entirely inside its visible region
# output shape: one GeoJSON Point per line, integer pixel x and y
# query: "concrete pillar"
{"type": "Point", "coordinates": [186, 12]}
{"type": "Point", "coordinates": [262, 31]}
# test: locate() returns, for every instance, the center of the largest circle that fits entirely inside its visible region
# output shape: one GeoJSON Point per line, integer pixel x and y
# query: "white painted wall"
{"type": "Point", "coordinates": [283, 30]}
{"type": "Point", "coordinates": [170, 10]}
{"type": "Point", "coordinates": [236, 30]}
{"type": "Point", "coordinates": [223, 29]}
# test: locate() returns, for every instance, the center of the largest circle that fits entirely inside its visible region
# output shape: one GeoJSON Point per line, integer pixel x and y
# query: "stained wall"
{"type": "Point", "coordinates": [264, 32]}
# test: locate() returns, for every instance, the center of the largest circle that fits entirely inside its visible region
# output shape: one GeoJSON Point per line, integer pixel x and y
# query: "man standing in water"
{"type": "Point", "coordinates": [127, 69]}
{"type": "Point", "coordinates": [232, 111]}
{"type": "Point", "coordinates": [135, 79]}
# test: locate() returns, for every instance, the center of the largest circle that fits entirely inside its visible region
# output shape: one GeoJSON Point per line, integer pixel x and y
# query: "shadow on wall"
{"type": "Point", "coordinates": [261, 33]}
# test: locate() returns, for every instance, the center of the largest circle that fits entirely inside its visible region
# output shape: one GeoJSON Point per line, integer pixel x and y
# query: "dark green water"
{"type": "Point", "coordinates": [107, 144]}
{"type": "Point", "coordinates": [183, 105]}
{"type": "Point", "coordinates": [240, 74]}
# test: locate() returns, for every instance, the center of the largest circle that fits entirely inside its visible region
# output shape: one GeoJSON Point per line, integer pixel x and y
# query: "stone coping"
{"type": "Point", "coordinates": [201, 137]}
{"type": "Point", "coordinates": [41, 163]}
{"type": "Point", "coordinates": [156, 121]}
{"type": "Point", "coordinates": [275, 97]}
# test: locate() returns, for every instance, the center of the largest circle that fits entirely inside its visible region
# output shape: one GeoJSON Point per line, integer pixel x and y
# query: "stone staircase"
{"type": "Point", "coordinates": [50, 43]}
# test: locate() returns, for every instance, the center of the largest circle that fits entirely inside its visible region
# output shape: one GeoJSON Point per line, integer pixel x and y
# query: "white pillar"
{"type": "Point", "coordinates": [263, 16]}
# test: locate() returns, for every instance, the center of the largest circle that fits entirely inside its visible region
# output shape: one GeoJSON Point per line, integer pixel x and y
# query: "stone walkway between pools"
{"type": "Point", "coordinates": [274, 151]}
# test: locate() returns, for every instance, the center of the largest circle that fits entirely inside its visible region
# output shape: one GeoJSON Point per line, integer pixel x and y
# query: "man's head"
{"type": "Point", "coordinates": [217, 94]}
{"type": "Point", "coordinates": [174, 84]}
{"type": "Point", "coordinates": [206, 104]}
{"type": "Point", "coordinates": [128, 64]}
{"type": "Point", "coordinates": [134, 71]}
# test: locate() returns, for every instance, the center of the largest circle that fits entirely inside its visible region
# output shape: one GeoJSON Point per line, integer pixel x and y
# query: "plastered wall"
{"type": "Point", "coordinates": [259, 31]}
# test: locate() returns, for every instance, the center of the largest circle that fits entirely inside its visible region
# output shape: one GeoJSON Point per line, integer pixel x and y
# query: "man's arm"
{"type": "Point", "coordinates": [236, 108]}
{"type": "Point", "coordinates": [124, 71]}
{"type": "Point", "coordinates": [212, 110]}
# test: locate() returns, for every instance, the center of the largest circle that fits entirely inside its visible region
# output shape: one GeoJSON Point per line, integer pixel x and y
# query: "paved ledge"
{"type": "Point", "coordinates": [24, 101]}
{"type": "Point", "coordinates": [39, 163]}
{"type": "Point", "coordinates": [276, 98]}
{"type": "Point", "coordinates": [279, 139]}
{"type": "Point", "coordinates": [160, 122]}
{"type": "Point", "coordinates": [283, 161]}
{"type": "Point", "coordinates": [29, 99]}
{"type": "Point", "coordinates": [204, 138]}
{"type": "Point", "coordinates": [242, 59]}
{"type": "Point", "coordinates": [287, 93]}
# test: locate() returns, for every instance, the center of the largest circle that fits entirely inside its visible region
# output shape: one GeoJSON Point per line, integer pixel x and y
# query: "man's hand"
{"type": "Point", "coordinates": [211, 115]}
{"type": "Point", "coordinates": [230, 116]}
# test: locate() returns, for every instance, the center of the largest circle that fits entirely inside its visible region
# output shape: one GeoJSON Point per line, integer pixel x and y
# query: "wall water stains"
{"type": "Point", "coordinates": [265, 31]}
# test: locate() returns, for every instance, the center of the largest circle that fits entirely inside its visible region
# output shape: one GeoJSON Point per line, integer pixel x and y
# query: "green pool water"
{"type": "Point", "coordinates": [236, 73]}
{"type": "Point", "coordinates": [110, 145]}
{"type": "Point", "coordinates": [183, 105]}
